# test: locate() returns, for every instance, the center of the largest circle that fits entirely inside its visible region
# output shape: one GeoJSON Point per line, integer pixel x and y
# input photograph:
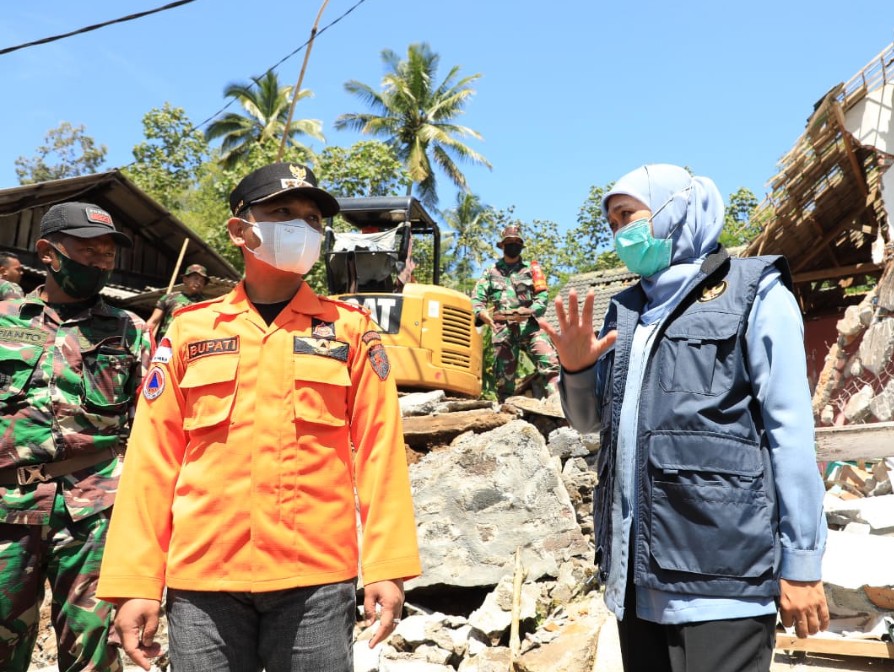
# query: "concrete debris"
{"type": "Point", "coordinates": [467, 496]}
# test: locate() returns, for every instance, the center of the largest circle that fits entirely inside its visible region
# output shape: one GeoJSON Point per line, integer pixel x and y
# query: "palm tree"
{"type": "Point", "coordinates": [469, 222]}
{"type": "Point", "coordinates": [416, 117]}
{"type": "Point", "coordinates": [266, 106]}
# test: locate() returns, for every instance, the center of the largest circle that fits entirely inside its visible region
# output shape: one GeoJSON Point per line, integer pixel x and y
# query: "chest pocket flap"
{"type": "Point", "coordinates": [321, 390]}
{"type": "Point", "coordinates": [704, 325]}
{"type": "Point", "coordinates": [106, 372]}
{"type": "Point", "coordinates": [697, 353]}
{"type": "Point", "coordinates": [17, 362]}
{"type": "Point", "coordinates": [209, 388]}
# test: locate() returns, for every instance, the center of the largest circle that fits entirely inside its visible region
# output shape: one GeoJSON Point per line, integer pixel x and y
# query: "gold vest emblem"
{"type": "Point", "coordinates": [711, 293]}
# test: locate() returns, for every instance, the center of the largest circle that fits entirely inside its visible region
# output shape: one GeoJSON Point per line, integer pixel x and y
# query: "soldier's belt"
{"type": "Point", "coordinates": [47, 471]}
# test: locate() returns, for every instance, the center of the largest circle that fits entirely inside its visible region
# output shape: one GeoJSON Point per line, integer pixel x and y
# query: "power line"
{"type": "Point", "coordinates": [87, 29]}
{"type": "Point", "coordinates": [170, 6]}
{"type": "Point", "coordinates": [270, 69]}
{"type": "Point", "coordinates": [280, 62]}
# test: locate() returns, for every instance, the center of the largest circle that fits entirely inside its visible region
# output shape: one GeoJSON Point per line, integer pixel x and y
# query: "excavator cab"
{"type": "Point", "coordinates": [427, 330]}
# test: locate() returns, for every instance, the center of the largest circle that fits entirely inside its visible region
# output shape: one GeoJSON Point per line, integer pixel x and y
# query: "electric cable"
{"type": "Point", "coordinates": [278, 63]}
{"type": "Point", "coordinates": [87, 29]}
{"type": "Point", "coordinates": [172, 5]}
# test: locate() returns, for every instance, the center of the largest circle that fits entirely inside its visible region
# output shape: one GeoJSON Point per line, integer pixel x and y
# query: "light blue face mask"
{"type": "Point", "coordinates": [641, 252]}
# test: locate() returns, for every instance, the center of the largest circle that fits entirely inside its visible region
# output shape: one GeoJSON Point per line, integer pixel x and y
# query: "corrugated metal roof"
{"type": "Point", "coordinates": [156, 233]}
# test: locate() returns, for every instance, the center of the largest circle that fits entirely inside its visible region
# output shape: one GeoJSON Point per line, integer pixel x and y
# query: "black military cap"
{"type": "Point", "coordinates": [81, 220]}
{"type": "Point", "coordinates": [277, 179]}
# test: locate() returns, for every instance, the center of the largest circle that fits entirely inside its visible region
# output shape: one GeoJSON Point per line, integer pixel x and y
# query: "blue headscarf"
{"type": "Point", "coordinates": [687, 209]}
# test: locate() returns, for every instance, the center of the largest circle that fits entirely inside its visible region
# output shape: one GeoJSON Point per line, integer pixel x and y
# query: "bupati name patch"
{"type": "Point", "coordinates": [324, 347]}
{"type": "Point", "coordinates": [214, 346]}
{"type": "Point", "coordinates": [32, 336]}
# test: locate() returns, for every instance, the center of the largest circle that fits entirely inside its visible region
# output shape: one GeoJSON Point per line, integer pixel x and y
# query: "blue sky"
{"type": "Point", "coordinates": [573, 93]}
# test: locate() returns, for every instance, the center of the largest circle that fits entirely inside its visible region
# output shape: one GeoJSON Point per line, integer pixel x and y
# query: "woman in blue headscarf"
{"type": "Point", "coordinates": [708, 508]}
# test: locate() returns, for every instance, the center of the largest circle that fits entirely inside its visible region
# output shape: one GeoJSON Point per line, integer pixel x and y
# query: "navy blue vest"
{"type": "Point", "coordinates": [707, 520]}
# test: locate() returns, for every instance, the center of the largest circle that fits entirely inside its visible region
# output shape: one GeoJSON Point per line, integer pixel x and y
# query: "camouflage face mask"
{"type": "Point", "coordinates": [78, 280]}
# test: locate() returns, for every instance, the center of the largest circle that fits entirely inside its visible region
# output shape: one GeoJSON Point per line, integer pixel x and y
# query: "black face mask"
{"type": "Point", "coordinates": [78, 280]}
{"type": "Point", "coordinates": [512, 250]}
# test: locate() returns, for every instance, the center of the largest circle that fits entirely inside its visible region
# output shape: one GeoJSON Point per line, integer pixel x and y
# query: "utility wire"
{"type": "Point", "coordinates": [171, 6]}
{"type": "Point", "coordinates": [270, 69]}
{"type": "Point", "coordinates": [280, 62]}
{"type": "Point", "coordinates": [123, 19]}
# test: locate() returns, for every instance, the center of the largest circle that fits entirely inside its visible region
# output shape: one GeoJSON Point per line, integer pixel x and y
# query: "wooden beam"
{"type": "Point", "coordinates": [838, 272]}
{"type": "Point", "coordinates": [840, 646]}
{"type": "Point", "coordinates": [822, 246]}
{"type": "Point", "coordinates": [855, 442]}
{"type": "Point", "coordinates": [849, 144]}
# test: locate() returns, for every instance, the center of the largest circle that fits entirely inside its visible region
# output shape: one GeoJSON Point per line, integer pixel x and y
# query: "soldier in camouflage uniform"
{"type": "Point", "coordinates": [70, 366]}
{"type": "Point", "coordinates": [195, 277]}
{"type": "Point", "coordinates": [517, 294]}
{"type": "Point", "coordinates": [10, 276]}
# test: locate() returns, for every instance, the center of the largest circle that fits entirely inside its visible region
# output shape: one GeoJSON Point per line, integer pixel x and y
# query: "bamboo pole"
{"type": "Point", "coordinates": [177, 267]}
{"type": "Point", "coordinates": [297, 91]}
{"type": "Point", "coordinates": [517, 582]}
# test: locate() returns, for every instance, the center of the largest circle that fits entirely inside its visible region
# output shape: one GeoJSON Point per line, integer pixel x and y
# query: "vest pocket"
{"type": "Point", "coordinates": [321, 390]}
{"type": "Point", "coordinates": [106, 370]}
{"type": "Point", "coordinates": [209, 388]}
{"type": "Point", "coordinates": [710, 514]}
{"type": "Point", "coordinates": [696, 353]}
{"type": "Point", "coordinates": [17, 362]}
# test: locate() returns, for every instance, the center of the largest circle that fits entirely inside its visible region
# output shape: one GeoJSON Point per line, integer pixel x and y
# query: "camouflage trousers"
{"type": "Point", "coordinates": [509, 340]}
{"type": "Point", "coordinates": [68, 555]}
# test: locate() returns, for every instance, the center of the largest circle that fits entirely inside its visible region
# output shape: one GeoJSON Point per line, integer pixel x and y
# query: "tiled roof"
{"type": "Point", "coordinates": [605, 285]}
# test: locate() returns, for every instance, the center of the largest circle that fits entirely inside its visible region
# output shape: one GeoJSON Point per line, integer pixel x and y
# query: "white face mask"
{"type": "Point", "coordinates": [292, 246]}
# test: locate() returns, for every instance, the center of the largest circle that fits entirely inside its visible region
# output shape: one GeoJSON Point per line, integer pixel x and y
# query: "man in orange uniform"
{"type": "Point", "coordinates": [262, 413]}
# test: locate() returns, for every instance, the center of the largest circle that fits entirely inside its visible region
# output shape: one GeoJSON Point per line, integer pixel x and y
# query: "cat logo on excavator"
{"type": "Point", "coordinates": [428, 331]}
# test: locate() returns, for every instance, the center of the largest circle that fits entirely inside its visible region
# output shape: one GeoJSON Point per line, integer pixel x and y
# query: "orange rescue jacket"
{"type": "Point", "coordinates": [247, 447]}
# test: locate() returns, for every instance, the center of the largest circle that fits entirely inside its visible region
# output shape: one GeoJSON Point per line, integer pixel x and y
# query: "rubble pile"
{"type": "Point", "coordinates": [856, 387]}
{"type": "Point", "coordinates": [857, 571]}
{"type": "Point", "coordinates": [857, 381]}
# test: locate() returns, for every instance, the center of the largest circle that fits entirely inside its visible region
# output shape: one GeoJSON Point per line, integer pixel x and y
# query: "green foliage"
{"type": "Point", "coordinates": [416, 116]}
{"type": "Point", "coordinates": [67, 152]}
{"type": "Point", "coordinates": [592, 233]}
{"type": "Point", "coordinates": [367, 168]}
{"type": "Point", "coordinates": [606, 261]}
{"type": "Point", "coordinates": [464, 243]}
{"type": "Point", "coordinates": [169, 160]}
{"type": "Point", "coordinates": [740, 226]}
{"type": "Point", "coordinates": [266, 111]}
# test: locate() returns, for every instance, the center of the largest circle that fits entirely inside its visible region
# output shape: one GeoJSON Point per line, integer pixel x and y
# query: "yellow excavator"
{"type": "Point", "coordinates": [428, 330]}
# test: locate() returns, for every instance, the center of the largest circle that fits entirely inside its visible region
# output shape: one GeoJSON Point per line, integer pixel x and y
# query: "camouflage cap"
{"type": "Point", "coordinates": [196, 269]}
{"type": "Point", "coordinates": [81, 220]}
{"type": "Point", "coordinates": [280, 178]}
{"type": "Point", "coordinates": [511, 232]}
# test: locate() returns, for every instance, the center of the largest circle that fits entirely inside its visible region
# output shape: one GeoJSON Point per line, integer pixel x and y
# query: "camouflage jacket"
{"type": "Point", "coordinates": [67, 388]}
{"type": "Point", "coordinates": [169, 303]}
{"type": "Point", "coordinates": [10, 290]}
{"type": "Point", "coordinates": [509, 286]}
